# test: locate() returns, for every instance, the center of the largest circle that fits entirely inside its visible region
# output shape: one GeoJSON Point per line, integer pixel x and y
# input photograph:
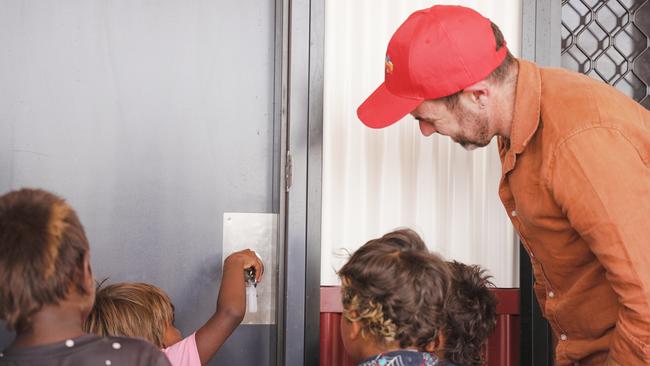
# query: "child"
{"type": "Point", "coordinates": [470, 310]}
{"type": "Point", "coordinates": [47, 288]}
{"type": "Point", "coordinates": [143, 310]}
{"type": "Point", "coordinates": [393, 294]}
{"type": "Point", "coordinates": [470, 315]}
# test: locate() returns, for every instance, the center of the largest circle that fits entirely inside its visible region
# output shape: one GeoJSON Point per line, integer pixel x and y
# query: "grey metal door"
{"type": "Point", "coordinates": [152, 119]}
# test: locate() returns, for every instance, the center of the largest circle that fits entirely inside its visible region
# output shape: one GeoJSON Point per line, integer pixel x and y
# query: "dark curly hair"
{"type": "Point", "coordinates": [470, 315]}
{"type": "Point", "coordinates": [396, 289]}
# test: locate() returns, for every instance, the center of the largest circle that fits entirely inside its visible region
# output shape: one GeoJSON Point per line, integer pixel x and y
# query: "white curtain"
{"type": "Point", "coordinates": [378, 180]}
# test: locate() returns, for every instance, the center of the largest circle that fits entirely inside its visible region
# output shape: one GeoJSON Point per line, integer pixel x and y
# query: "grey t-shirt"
{"type": "Point", "coordinates": [87, 350]}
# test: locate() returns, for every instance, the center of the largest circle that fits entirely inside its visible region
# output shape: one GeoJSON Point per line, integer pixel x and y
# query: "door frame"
{"type": "Point", "coordinates": [299, 109]}
{"type": "Point", "coordinates": [541, 43]}
{"type": "Point", "coordinates": [300, 27]}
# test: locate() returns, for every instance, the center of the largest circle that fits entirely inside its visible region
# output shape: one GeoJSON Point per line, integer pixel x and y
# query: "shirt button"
{"type": "Point", "coordinates": [551, 294]}
{"type": "Point", "coordinates": [563, 337]}
{"type": "Point", "coordinates": [513, 213]}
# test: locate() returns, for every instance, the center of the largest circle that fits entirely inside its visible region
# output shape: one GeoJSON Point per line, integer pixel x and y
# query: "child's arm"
{"type": "Point", "coordinates": [231, 305]}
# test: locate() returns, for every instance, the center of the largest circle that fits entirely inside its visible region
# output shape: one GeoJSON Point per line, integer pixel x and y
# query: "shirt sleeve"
{"type": "Point", "coordinates": [184, 353]}
{"type": "Point", "coordinates": [602, 183]}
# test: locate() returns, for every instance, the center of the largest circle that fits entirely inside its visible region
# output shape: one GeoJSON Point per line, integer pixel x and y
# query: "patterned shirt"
{"type": "Point", "coordinates": [403, 358]}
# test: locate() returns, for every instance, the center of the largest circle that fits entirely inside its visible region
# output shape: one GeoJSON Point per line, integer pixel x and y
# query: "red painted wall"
{"type": "Point", "coordinates": [502, 347]}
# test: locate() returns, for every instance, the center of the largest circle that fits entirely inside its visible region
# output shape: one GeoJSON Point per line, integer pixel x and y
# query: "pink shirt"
{"type": "Point", "coordinates": [183, 353]}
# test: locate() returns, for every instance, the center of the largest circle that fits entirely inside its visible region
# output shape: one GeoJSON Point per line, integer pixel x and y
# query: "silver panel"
{"type": "Point", "coordinates": [259, 232]}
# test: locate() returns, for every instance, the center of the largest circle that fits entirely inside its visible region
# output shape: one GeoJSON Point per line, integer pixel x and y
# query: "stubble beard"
{"type": "Point", "coordinates": [476, 126]}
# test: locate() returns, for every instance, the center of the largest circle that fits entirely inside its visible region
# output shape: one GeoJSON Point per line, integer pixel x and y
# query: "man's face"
{"type": "Point", "coordinates": [465, 122]}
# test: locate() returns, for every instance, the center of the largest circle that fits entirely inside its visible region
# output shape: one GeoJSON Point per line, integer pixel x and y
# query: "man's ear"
{"type": "Point", "coordinates": [479, 93]}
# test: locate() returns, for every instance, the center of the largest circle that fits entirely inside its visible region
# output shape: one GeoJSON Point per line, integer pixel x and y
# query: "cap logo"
{"type": "Point", "coordinates": [389, 65]}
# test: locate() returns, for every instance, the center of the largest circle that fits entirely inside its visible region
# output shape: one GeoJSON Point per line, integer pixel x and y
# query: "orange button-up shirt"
{"type": "Point", "coordinates": [576, 185]}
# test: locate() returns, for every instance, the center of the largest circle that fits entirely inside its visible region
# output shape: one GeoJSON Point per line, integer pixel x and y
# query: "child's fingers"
{"type": "Point", "coordinates": [261, 264]}
{"type": "Point", "coordinates": [261, 270]}
{"type": "Point", "coordinates": [259, 267]}
{"type": "Point", "coordinates": [252, 259]}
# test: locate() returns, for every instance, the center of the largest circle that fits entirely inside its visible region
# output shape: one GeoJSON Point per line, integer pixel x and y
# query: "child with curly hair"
{"type": "Point", "coordinates": [470, 315]}
{"type": "Point", "coordinates": [393, 294]}
{"type": "Point", "coordinates": [47, 288]}
{"type": "Point", "coordinates": [143, 310]}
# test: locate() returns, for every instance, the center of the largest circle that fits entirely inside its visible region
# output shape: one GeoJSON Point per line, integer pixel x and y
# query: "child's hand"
{"type": "Point", "coordinates": [231, 304]}
{"type": "Point", "coordinates": [246, 259]}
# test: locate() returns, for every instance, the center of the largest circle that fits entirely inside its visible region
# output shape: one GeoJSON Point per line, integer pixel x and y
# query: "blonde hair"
{"type": "Point", "coordinates": [371, 315]}
{"type": "Point", "coordinates": [132, 310]}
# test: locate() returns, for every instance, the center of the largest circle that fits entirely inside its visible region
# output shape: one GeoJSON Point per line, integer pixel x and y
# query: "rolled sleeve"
{"type": "Point", "coordinates": [602, 183]}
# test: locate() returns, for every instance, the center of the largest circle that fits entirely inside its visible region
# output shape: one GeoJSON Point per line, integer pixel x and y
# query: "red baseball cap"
{"type": "Point", "coordinates": [436, 52]}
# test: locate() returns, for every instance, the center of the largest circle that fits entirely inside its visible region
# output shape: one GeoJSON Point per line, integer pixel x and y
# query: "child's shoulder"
{"type": "Point", "coordinates": [184, 352]}
{"type": "Point", "coordinates": [87, 350]}
{"type": "Point", "coordinates": [124, 345]}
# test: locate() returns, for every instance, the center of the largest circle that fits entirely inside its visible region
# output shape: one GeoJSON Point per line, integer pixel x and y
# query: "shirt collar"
{"type": "Point", "coordinates": [525, 119]}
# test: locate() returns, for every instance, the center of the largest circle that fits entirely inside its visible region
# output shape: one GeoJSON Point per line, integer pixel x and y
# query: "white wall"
{"type": "Point", "coordinates": [377, 180]}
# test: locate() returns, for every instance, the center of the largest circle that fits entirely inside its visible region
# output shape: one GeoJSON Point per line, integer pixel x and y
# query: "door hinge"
{"type": "Point", "coordinates": [288, 171]}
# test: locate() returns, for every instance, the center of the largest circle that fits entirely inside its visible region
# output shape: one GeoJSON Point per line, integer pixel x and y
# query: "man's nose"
{"type": "Point", "coordinates": [427, 128]}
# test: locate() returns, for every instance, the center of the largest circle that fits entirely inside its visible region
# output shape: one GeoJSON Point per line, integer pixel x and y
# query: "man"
{"type": "Point", "coordinates": [575, 171]}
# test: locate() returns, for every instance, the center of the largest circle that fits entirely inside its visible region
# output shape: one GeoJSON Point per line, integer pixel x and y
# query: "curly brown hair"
{"type": "Point", "coordinates": [396, 289]}
{"type": "Point", "coordinates": [43, 246]}
{"type": "Point", "coordinates": [131, 310]}
{"type": "Point", "coordinates": [470, 314]}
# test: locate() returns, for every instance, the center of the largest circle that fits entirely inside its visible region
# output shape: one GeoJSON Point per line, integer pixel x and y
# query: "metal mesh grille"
{"type": "Point", "coordinates": [609, 40]}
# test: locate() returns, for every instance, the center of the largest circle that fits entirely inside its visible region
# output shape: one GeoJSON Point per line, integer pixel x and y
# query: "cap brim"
{"type": "Point", "coordinates": [382, 108]}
